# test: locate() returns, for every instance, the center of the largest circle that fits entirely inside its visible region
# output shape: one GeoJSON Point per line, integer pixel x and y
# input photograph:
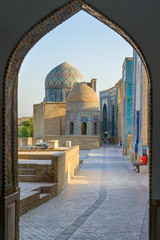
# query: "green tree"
{"type": "Point", "coordinates": [26, 128]}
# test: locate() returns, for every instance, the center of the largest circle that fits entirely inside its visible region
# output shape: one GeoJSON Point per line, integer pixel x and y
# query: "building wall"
{"type": "Point", "coordinates": [145, 109]}
{"type": "Point", "coordinates": [119, 110]}
{"type": "Point", "coordinates": [93, 84]}
{"type": "Point", "coordinates": [54, 118]}
{"type": "Point", "coordinates": [65, 166]}
{"type": "Point", "coordinates": [77, 117]}
{"type": "Point", "coordinates": [140, 108]}
{"type": "Point", "coordinates": [127, 77]}
{"type": "Point", "coordinates": [38, 118]}
{"type": "Point", "coordinates": [84, 142]}
{"type": "Point", "coordinates": [49, 119]}
{"type": "Point", "coordinates": [109, 98]}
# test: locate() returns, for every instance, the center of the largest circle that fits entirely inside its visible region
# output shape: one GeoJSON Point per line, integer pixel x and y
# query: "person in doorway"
{"type": "Point", "coordinates": [143, 162]}
{"type": "Point", "coordinates": [105, 136]}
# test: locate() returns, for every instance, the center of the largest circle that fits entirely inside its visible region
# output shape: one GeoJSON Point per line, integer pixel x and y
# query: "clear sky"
{"type": "Point", "coordinates": [83, 41]}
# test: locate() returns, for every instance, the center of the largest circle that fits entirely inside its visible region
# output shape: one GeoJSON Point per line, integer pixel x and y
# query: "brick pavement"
{"type": "Point", "coordinates": [106, 200]}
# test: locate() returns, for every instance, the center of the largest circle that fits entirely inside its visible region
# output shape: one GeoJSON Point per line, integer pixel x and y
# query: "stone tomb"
{"type": "Point", "coordinates": [46, 172]}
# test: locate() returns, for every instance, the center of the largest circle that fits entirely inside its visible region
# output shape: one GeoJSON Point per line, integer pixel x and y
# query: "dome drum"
{"type": "Point", "coordinates": [88, 106]}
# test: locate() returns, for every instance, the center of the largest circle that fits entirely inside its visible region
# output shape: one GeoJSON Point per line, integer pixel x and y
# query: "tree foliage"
{"type": "Point", "coordinates": [26, 128]}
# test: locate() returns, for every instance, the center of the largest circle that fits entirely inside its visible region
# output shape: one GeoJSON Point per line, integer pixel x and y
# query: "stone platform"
{"type": "Point", "coordinates": [39, 154]}
{"type": "Point", "coordinates": [34, 194]}
{"type": "Point", "coordinates": [43, 174]}
{"type": "Point", "coordinates": [35, 170]}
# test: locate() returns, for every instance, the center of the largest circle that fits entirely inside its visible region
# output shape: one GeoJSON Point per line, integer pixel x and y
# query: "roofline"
{"type": "Point", "coordinates": [127, 59]}
{"type": "Point", "coordinates": [109, 88]}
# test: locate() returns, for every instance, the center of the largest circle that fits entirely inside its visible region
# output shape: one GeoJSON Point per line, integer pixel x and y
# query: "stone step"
{"type": "Point", "coordinates": [50, 189]}
{"type": "Point", "coordinates": [33, 198]}
{"type": "Point", "coordinates": [44, 197]}
{"type": "Point", "coordinates": [26, 171]}
{"type": "Point", "coordinates": [25, 165]}
{"type": "Point", "coordinates": [27, 178]}
{"type": "Point", "coordinates": [38, 155]}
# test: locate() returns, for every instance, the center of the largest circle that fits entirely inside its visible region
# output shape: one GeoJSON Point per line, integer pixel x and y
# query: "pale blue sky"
{"type": "Point", "coordinates": [83, 41]}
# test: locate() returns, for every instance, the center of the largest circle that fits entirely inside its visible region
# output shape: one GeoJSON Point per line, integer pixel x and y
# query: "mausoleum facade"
{"type": "Point", "coordinates": [83, 115]}
{"type": "Point", "coordinates": [70, 107]}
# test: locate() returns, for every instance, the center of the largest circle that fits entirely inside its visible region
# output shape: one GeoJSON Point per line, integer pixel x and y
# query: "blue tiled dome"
{"type": "Point", "coordinates": [63, 76]}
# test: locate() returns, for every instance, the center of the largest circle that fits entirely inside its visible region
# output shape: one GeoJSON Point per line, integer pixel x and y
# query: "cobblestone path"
{"type": "Point", "coordinates": [106, 200]}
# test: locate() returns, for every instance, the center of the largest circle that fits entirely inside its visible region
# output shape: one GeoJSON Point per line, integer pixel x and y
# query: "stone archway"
{"type": "Point", "coordinates": [83, 128]}
{"type": "Point", "coordinates": [9, 183]}
{"type": "Point", "coordinates": [104, 119]}
{"type": "Point", "coordinates": [71, 128]}
{"type": "Point", "coordinates": [113, 119]}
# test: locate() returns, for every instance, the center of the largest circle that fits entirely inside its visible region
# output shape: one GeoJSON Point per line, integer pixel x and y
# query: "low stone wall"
{"type": "Point", "coordinates": [65, 166]}
{"type": "Point", "coordinates": [144, 169]}
{"type": "Point", "coordinates": [113, 140]}
{"type": "Point", "coordinates": [84, 142]}
{"type": "Point", "coordinates": [25, 141]}
{"type": "Point", "coordinates": [34, 200]}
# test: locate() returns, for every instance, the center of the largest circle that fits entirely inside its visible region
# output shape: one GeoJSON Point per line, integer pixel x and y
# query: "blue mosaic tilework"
{"type": "Point", "coordinates": [127, 102]}
{"type": "Point", "coordinates": [72, 119]}
{"type": "Point", "coordinates": [109, 98]}
{"type": "Point", "coordinates": [63, 76]}
{"type": "Point", "coordinates": [95, 118]}
{"type": "Point", "coordinates": [137, 135]}
{"type": "Point", "coordinates": [56, 95]}
{"type": "Point", "coordinates": [77, 117]}
{"type": "Point", "coordinates": [84, 119]}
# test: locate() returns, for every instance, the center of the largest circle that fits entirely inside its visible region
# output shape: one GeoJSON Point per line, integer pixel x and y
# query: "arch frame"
{"type": "Point", "coordinates": [95, 129]}
{"type": "Point", "coordinates": [10, 83]}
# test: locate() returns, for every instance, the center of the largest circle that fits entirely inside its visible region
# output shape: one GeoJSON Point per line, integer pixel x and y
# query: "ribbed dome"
{"type": "Point", "coordinates": [82, 93]}
{"type": "Point", "coordinates": [63, 76]}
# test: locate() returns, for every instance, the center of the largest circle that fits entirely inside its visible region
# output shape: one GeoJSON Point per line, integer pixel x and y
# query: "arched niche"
{"type": "Point", "coordinates": [71, 128]}
{"type": "Point", "coordinates": [84, 128]}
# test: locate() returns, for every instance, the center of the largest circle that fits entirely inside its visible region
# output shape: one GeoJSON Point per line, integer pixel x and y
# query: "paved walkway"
{"type": "Point", "coordinates": [106, 200]}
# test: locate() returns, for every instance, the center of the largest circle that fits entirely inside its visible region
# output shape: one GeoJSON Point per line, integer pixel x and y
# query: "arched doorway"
{"type": "Point", "coordinates": [9, 169]}
{"type": "Point", "coordinates": [95, 128]}
{"type": "Point", "coordinates": [113, 114]}
{"type": "Point", "coordinates": [104, 119]}
{"type": "Point", "coordinates": [71, 128]}
{"type": "Point", "coordinates": [84, 128]}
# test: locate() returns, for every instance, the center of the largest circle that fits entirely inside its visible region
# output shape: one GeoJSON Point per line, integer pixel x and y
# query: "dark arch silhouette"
{"type": "Point", "coordinates": [104, 119]}
{"type": "Point", "coordinates": [113, 119]}
{"type": "Point", "coordinates": [95, 128]}
{"type": "Point", "coordinates": [71, 128]}
{"type": "Point", "coordinates": [84, 128]}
